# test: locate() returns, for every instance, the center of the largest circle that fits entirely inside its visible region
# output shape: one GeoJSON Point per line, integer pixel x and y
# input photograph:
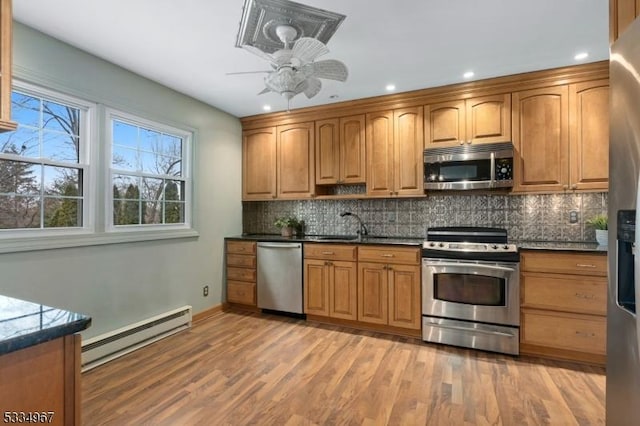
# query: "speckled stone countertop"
{"type": "Point", "coordinates": [585, 246]}
{"type": "Point", "coordinates": [24, 324]}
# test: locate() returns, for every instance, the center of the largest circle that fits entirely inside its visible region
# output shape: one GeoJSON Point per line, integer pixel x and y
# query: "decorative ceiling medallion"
{"type": "Point", "coordinates": [260, 18]}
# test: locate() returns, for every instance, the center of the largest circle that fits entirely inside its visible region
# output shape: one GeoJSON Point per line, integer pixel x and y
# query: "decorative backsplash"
{"type": "Point", "coordinates": [526, 217]}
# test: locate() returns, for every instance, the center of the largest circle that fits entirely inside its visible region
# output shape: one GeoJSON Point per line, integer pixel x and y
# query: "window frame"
{"type": "Point", "coordinates": [86, 163]}
{"type": "Point", "coordinates": [111, 115]}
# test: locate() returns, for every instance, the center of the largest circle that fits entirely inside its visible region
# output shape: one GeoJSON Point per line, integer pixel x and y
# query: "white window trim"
{"type": "Point", "coordinates": [87, 162]}
{"type": "Point", "coordinates": [98, 151]}
{"type": "Point", "coordinates": [187, 137]}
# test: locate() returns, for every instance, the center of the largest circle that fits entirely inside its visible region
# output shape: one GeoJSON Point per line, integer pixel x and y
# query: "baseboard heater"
{"type": "Point", "coordinates": [101, 349]}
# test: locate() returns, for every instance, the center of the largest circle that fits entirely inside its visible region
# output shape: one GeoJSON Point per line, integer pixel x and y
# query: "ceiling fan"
{"type": "Point", "coordinates": [294, 69]}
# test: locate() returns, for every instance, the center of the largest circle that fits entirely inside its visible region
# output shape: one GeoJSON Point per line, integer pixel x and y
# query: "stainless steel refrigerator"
{"type": "Point", "coordinates": [623, 324]}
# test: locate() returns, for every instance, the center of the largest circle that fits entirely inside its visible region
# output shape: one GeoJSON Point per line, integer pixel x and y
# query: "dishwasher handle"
{"type": "Point", "coordinates": [280, 245]}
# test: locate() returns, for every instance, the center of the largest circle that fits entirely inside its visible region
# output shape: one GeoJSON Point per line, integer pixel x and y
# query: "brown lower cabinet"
{"type": "Point", "coordinates": [241, 272]}
{"type": "Point", "coordinates": [42, 381]}
{"type": "Point", "coordinates": [330, 278]}
{"type": "Point", "coordinates": [564, 305]}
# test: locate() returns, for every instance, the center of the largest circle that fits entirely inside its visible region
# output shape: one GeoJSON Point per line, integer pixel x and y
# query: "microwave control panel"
{"type": "Point", "coordinates": [504, 169]}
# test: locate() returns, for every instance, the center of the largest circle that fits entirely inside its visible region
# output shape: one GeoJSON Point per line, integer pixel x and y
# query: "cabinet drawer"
{"type": "Point", "coordinates": [565, 293]}
{"type": "Point", "coordinates": [241, 260]}
{"type": "Point", "coordinates": [241, 274]}
{"type": "Point", "coordinates": [407, 256]}
{"type": "Point", "coordinates": [241, 247]}
{"type": "Point", "coordinates": [330, 252]}
{"type": "Point", "coordinates": [574, 332]}
{"type": "Point", "coordinates": [239, 292]}
{"type": "Point", "coordinates": [564, 263]}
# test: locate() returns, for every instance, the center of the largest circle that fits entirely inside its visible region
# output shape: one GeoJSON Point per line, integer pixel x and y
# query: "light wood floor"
{"type": "Point", "coordinates": [246, 368]}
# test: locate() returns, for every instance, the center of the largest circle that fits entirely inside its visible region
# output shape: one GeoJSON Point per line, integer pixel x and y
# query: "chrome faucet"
{"type": "Point", "coordinates": [363, 229]}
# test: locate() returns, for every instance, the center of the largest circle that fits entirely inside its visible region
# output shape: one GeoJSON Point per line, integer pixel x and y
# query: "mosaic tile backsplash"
{"type": "Point", "coordinates": [526, 217]}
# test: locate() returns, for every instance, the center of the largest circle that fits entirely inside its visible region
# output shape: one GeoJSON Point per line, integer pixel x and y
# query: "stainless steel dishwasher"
{"type": "Point", "coordinates": [280, 276]}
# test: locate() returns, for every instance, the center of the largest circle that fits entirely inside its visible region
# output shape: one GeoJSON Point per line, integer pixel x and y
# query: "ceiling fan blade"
{"type": "Point", "coordinates": [330, 68]}
{"type": "Point", "coordinates": [258, 52]}
{"type": "Point", "coordinates": [308, 49]}
{"type": "Point", "coordinates": [265, 90]}
{"type": "Point", "coordinates": [313, 87]}
{"type": "Point", "coordinates": [247, 72]}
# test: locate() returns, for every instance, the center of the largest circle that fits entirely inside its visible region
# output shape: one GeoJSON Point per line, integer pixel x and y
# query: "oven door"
{"type": "Point", "coordinates": [469, 290]}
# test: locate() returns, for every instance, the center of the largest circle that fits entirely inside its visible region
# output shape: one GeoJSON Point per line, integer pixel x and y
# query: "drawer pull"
{"type": "Point", "coordinates": [585, 334]}
{"type": "Point", "coordinates": [328, 252]}
{"type": "Point", "coordinates": [387, 255]}
{"type": "Point", "coordinates": [584, 296]}
{"type": "Point", "coordinates": [585, 265]}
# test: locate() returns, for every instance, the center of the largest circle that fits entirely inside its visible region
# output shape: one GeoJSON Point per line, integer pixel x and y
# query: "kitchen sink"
{"type": "Point", "coordinates": [336, 237]}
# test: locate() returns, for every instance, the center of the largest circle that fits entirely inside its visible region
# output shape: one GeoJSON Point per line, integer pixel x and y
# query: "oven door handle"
{"type": "Point", "coordinates": [472, 265]}
{"type": "Point", "coordinates": [472, 330]}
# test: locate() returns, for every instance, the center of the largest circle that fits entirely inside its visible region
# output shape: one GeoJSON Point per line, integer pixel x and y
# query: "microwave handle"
{"type": "Point", "coordinates": [493, 169]}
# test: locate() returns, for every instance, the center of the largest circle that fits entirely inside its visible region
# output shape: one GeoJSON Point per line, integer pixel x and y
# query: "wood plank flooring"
{"type": "Point", "coordinates": [239, 368]}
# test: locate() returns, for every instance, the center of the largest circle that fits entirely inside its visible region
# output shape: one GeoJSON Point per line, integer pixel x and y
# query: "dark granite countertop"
{"type": "Point", "coordinates": [24, 324]}
{"type": "Point", "coordinates": [342, 239]}
{"type": "Point", "coordinates": [584, 246]}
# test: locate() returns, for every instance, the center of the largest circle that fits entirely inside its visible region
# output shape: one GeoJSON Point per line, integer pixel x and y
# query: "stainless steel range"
{"type": "Point", "coordinates": [471, 289]}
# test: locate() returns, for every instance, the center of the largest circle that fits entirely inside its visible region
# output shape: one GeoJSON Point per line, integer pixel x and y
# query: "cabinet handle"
{"type": "Point", "coordinates": [585, 265]}
{"type": "Point", "coordinates": [469, 142]}
{"type": "Point", "coordinates": [461, 142]}
{"type": "Point", "coordinates": [240, 248]}
{"type": "Point", "coordinates": [584, 296]}
{"type": "Point", "coordinates": [565, 187]}
{"type": "Point", "coordinates": [585, 334]}
{"type": "Point", "coordinates": [387, 255]}
{"type": "Point", "coordinates": [328, 252]}
{"type": "Point", "coordinates": [574, 186]}
{"type": "Point", "coordinates": [274, 196]}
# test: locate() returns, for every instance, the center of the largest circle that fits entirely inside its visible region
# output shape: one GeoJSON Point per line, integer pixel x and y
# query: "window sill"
{"type": "Point", "coordinates": [33, 243]}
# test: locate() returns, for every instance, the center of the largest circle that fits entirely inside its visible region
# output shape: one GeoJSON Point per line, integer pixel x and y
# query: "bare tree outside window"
{"type": "Point", "coordinates": [148, 181]}
{"type": "Point", "coordinates": [40, 175]}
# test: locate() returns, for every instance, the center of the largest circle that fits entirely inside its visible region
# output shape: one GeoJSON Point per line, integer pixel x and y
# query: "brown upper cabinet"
{"type": "Point", "coordinates": [340, 150]}
{"type": "Point", "coordinates": [561, 137]}
{"type": "Point", "coordinates": [483, 119]}
{"type": "Point", "coordinates": [394, 152]}
{"type": "Point", "coordinates": [621, 15]}
{"type": "Point", "coordinates": [6, 22]}
{"type": "Point", "coordinates": [279, 162]}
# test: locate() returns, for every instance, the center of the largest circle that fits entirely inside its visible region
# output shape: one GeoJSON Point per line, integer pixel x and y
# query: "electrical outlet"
{"type": "Point", "coordinates": [205, 291]}
{"type": "Point", "coordinates": [391, 217]}
{"type": "Point", "coordinates": [573, 216]}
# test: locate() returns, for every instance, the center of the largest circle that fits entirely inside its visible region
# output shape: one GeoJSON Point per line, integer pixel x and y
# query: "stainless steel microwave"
{"type": "Point", "coordinates": [481, 166]}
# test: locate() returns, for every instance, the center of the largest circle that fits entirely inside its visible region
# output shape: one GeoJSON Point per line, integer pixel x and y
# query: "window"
{"type": "Point", "coordinates": [44, 163]}
{"type": "Point", "coordinates": [149, 174]}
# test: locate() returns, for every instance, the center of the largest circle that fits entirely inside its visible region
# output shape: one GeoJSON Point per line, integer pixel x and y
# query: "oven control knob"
{"type": "Point", "coordinates": [432, 244]}
{"type": "Point", "coordinates": [441, 245]}
{"type": "Point", "coordinates": [495, 247]}
{"type": "Point", "coordinates": [506, 247]}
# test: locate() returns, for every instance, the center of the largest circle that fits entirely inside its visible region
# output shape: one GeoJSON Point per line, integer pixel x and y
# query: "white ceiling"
{"type": "Point", "coordinates": [189, 45]}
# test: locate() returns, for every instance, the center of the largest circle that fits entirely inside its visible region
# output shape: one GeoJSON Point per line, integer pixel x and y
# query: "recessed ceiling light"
{"type": "Point", "coordinates": [580, 56]}
{"type": "Point", "coordinates": [468, 74]}
{"type": "Point", "coordinates": [267, 107]}
{"type": "Point", "coordinates": [390, 87]}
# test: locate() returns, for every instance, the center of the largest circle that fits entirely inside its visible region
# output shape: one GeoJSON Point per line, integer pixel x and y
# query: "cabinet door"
{"type": "Point", "coordinates": [621, 15]}
{"type": "Point", "coordinates": [343, 290]}
{"type": "Point", "coordinates": [541, 139]}
{"type": "Point", "coordinates": [404, 296]}
{"type": "Point", "coordinates": [488, 119]}
{"type": "Point", "coordinates": [445, 123]}
{"type": "Point", "coordinates": [6, 22]}
{"type": "Point", "coordinates": [316, 287]}
{"type": "Point", "coordinates": [352, 149]}
{"type": "Point", "coordinates": [259, 164]}
{"type": "Point", "coordinates": [373, 293]}
{"type": "Point", "coordinates": [327, 152]}
{"type": "Point", "coordinates": [295, 174]}
{"type": "Point", "coordinates": [589, 135]}
{"type": "Point", "coordinates": [408, 151]}
{"type": "Point", "coordinates": [380, 153]}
